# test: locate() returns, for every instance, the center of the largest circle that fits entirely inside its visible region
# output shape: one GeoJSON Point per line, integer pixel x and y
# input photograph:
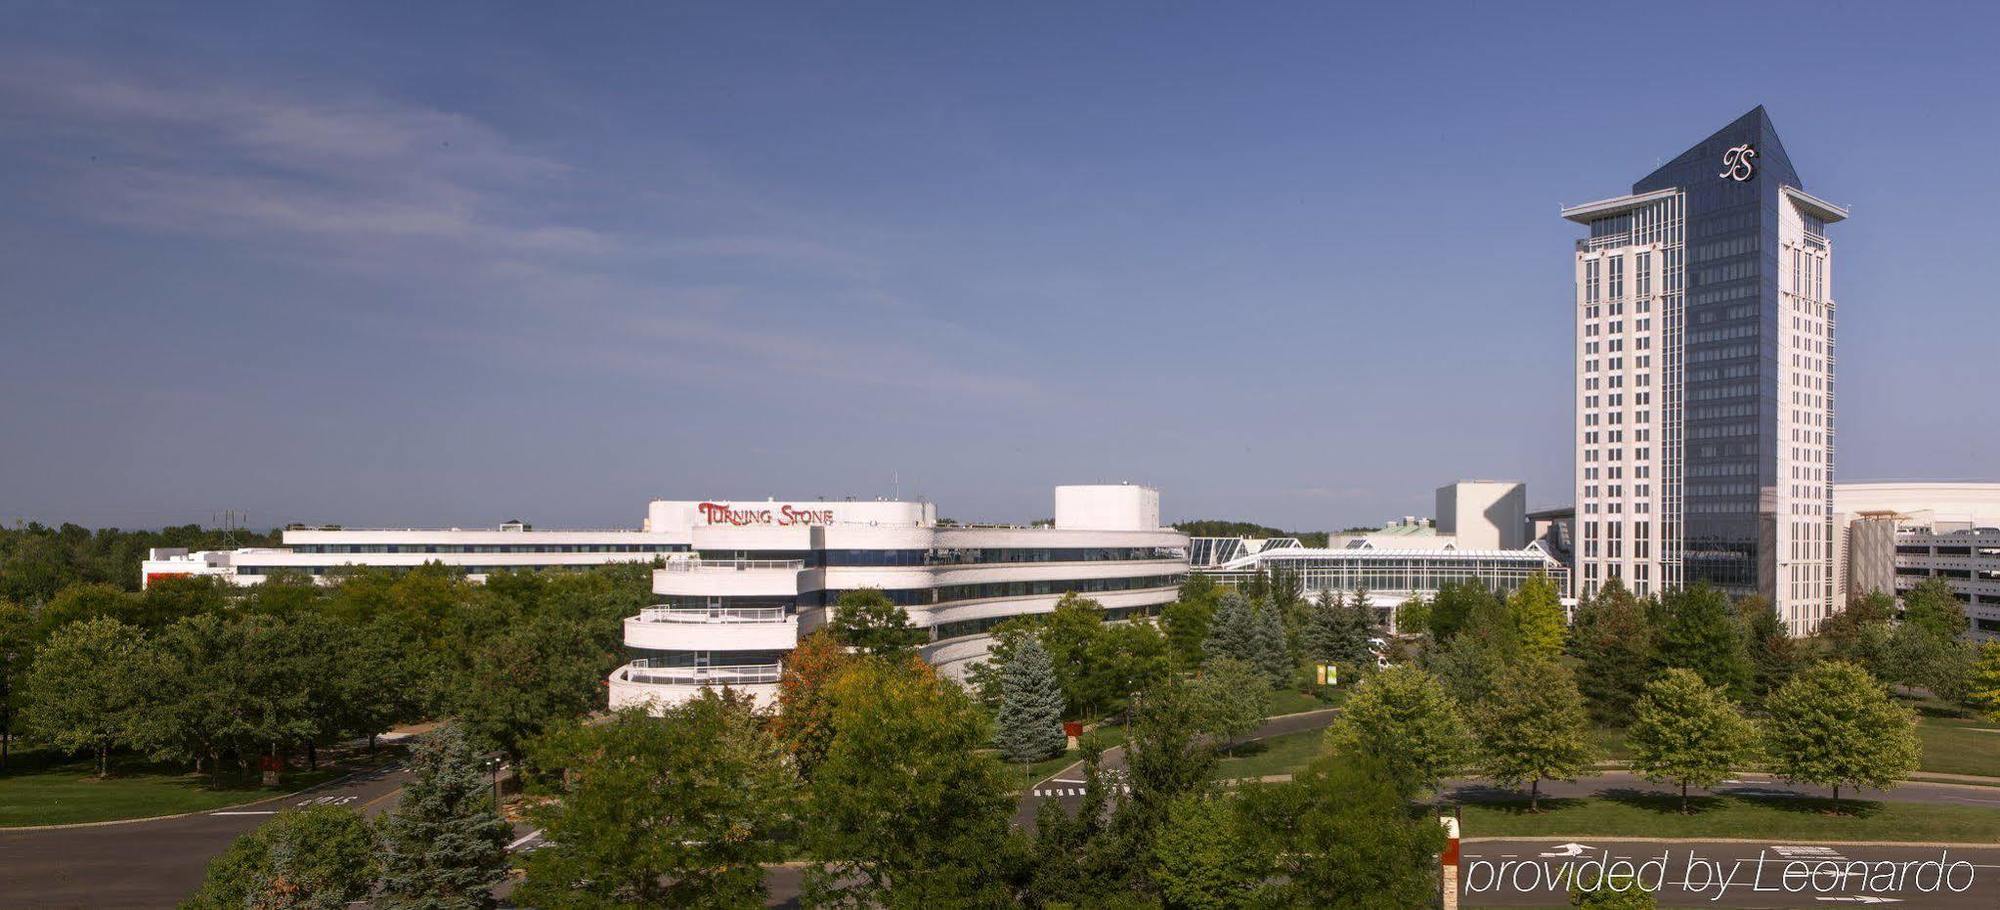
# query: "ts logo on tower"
{"type": "Point", "coordinates": [1736, 163]}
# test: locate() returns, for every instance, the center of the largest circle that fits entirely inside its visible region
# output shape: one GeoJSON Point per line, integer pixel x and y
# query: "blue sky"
{"type": "Point", "coordinates": [395, 264]}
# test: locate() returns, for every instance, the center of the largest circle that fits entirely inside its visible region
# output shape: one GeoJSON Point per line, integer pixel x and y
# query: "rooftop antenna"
{"type": "Point", "coordinates": [896, 485]}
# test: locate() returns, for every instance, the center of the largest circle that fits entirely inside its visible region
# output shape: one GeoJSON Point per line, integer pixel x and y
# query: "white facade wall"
{"type": "Point", "coordinates": [762, 573]}
{"type": "Point", "coordinates": [1107, 507]}
{"type": "Point", "coordinates": [1803, 494]}
{"type": "Point", "coordinates": [1484, 514]}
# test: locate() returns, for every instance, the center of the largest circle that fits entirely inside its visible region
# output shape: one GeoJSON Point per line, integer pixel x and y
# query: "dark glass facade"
{"type": "Point", "coordinates": [1730, 353]}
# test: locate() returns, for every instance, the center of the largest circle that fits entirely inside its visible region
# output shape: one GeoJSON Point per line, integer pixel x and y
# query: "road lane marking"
{"type": "Point", "coordinates": [525, 838]}
{"type": "Point", "coordinates": [248, 812]}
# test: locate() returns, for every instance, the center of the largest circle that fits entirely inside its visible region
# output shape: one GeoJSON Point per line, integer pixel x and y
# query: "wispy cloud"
{"type": "Point", "coordinates": [457, 209]}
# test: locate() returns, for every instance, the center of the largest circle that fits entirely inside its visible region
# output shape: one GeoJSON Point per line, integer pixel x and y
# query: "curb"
{"type": "Point", "coordinates": [107, 823]}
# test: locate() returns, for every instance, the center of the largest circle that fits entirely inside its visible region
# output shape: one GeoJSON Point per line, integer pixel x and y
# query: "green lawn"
{"type": "Point", "coordinates": [1285, 754]}
{"type": "Point", "coordinates": [1649, 815]}
{"type": "Point", "coordinates": [42, 789]}
{"type": "Point", "coordinates": [1957, 745]}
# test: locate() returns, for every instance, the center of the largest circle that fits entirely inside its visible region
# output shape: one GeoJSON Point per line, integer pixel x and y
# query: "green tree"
{"type": "Point", "coordinates": [904, 811]}
{"type": "Point", "coordinates": [1186, 619]}
{"type": "Point", "coordinates": [1842, 631]}
{"type": "Point", "coordinates": [530, 679]}
{"type": "Point", "coordinates": [1127, 657]}
{"type": "Point", "coordinates": [1613, 892]}
{"type": "Point", "coordinates": [1073, 634]}
{"type": "Point", "coordinates": [1535, 729]}
{"type": "Point", "coordinates": [1918, 656]}
{"type": "Point", "coordinates": [1342, 836]}
{"type": "Point", "coordinates": [1933, 607]}
{"type": "Point", "coordinates": [79, 602]}
{"type": "Point", "coordinates": [17, 643]}
{"type": "Point", "coordinates": [1613, 644]}
{"type": "Point", "coordinates": [1229, 696]}
{"type": "Point", "coordinates": [1339, 634]}
{"type": "Point", "coordinates": [804, 723]}
{"type": "Point", "coordinates": [868, 621]}
{"type": "Point", "coordinates": [1166, 757]}
{"type": "Point", "coordinates": [444, 846]}
{"type": "Point", "coordinates": [1699, 632]}
{"type": "Point", "coordinates": [1204, 858]}
{"type": "Point", "coordinates": [1232, 630]}
{"type": "Point", "coordinates": [1031, 706]}
{"type": "Point", "coordinates": [674, 811]}
{"type": "Point", "coordinates": [1537, 613]}
{"type": "Point", "coordinates": [1983, 686]}
{"type": "Point", "coordinates": [1414, 616]}
{"type": "Point", "coordinates": [1834, 725]}
{"type": "Point", "coordinates": [1774, 654]}
{"type": "Point", "coordinates": [1405, 717]}
{"type": "Point", "coordinates": [1456, 605]}
{"type": "Point", "coordinates": [201, 693]}
{"type": "Point", "coordinates": [321, 858]}
{"type": "Point", "coordinates": [82, 694]}
{"type": "Point", "coordinates": [1687, 732]}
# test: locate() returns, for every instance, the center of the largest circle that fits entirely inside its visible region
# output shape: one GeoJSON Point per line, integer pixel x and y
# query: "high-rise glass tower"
{"type": "Point", "coordinates": [1704, 379]}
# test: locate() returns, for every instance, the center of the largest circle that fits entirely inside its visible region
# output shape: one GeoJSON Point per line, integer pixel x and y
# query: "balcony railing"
{"type": "Point", "coordinates": [732, 565]}
{"type": "Point", "coordinates": [644, 672]}
{"type": "Point", "coordinates": [714, 614]}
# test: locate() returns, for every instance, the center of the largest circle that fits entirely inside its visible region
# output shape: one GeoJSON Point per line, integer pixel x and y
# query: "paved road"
{"type": "Point", "coordinates": [1773, 874]}
{"type": "Point", "coordinates": [152, 863]}
{"type": "Point", "coordinates": [1624, 782]}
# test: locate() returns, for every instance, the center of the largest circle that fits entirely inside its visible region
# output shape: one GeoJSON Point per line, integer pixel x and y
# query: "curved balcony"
{"type": "Point", "coordinates": [641, 683]}
{"type": "Point", "coordinates": [713, 629]}
{"type": "Point", "coordinates": [729, 578]}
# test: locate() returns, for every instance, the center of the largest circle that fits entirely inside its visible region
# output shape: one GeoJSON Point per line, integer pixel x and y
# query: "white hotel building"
{"type": "Point", "coordinates": [757, 575]}
{"type": "Point", "coordinates": [1704, 379]}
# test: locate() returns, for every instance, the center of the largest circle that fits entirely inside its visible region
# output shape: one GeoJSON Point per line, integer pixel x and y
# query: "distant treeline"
{"type": "Point", "coordinates": [1210, 527]}
{"type": "Point", "coordinates": [36, 560]}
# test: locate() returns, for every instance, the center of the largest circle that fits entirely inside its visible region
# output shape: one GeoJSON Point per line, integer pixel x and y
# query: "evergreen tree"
{"type": "Point", "coordinates": [1031, 706]}
{"type": "Point", "coordinates": [1835, 725]}
{"type": "Point", "coordinates": [1272, 655]}
{"type": "Point", "coordinates": [444, 846]}
{"type": "Point", "coordinates": [1326, 627]}
{"type": "Point", "coordinates": [1537, 613]}
{"type": "Point", "coordinates": [1686, 732]}
{"type": "Point", "coordinates": [1232, 631]}
{"type": "Point", "coordinates": [1699, 631]}
{"type": "Point", "coordinates": [1613, 644]}
{"type": "Point", "coordinates": [1535, 728]}
{"type": "Point", "coordinates": [1774, 653]}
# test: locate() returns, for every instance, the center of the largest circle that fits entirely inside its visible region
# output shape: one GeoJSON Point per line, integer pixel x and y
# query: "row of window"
{"type": "Point", "coordinates": [336, 548]}
{"type": "Point", "coordinates": [949, 556]}
{"type": "Point", "coordinates": [980, 626]}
